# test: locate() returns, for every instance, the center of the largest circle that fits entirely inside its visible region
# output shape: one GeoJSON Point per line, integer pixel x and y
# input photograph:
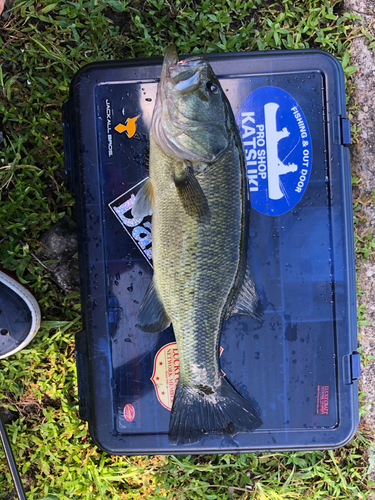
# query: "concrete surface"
{"type": "Point", "coordinates": [363, 167]}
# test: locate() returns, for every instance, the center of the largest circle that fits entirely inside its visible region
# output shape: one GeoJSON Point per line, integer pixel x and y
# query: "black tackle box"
{"type": "Point", "coordinates": [299, 363]}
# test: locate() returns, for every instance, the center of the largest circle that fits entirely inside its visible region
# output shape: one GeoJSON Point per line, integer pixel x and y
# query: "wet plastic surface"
{"type": "Point", "coordinates": [298, 364]}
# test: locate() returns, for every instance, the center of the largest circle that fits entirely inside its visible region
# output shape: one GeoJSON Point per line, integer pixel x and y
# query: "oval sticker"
{"type": "Point", "coordinates": [129, 412]}
{"type": "Point", "coordinates": [278, 149]}
{"type": "Point", "coordinates": [166, 373]}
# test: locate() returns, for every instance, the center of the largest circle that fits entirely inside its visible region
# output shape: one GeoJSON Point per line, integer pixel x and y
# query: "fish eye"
{"type": "Point", "coordinates": [212, 88]}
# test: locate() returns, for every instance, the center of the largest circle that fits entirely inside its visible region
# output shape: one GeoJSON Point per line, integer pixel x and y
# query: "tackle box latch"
{"type": "Point", "coordinates": [356, 365]}
{"type": "Point", "coordinates": [346, 137]}
{"type": "Point", "coordinates": [351, 367]}
{"type": "Point", "coordinates": [341, 130]}
{"type": "Point", "coordinates": [82, 375]}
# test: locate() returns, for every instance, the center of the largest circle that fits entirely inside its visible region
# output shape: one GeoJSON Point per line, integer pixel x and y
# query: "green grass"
{"type": "Point", "coordinates": [42, 45]}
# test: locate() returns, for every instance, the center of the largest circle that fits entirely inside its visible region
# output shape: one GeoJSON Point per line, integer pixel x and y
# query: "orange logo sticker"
{"type": "Point", "coordinates": [130, 126]}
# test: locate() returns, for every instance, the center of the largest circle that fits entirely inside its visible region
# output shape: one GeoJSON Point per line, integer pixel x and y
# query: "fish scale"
{"type": "Point", "coordinates": [196, 264]}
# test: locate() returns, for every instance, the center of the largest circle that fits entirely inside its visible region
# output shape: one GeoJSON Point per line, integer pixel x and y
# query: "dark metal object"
{"type": "Point", "coordinates": [11, 462]}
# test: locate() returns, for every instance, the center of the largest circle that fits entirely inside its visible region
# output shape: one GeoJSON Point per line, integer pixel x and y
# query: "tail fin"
{"type": "Point", "coordinates": [198, 410]}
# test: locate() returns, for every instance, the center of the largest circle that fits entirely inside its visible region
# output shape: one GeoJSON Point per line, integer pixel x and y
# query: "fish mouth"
{"type": "Point", "coordinates": [170, 59]}
{"type": "Point", "coordinates": [184, 75]}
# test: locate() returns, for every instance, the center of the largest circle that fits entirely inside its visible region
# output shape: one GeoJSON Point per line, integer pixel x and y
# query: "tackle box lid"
{"type": "Point", "coordinates": [299, 364]}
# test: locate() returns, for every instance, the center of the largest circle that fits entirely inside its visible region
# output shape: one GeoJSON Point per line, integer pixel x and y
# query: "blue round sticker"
{"type": "Point", "coordinates": [278, 149]}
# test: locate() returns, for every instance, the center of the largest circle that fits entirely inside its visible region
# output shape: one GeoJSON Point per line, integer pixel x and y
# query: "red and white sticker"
{"type": "Point", "coordinates": [322, 400]}
{"type": "Point", "coordinates": [129, 412]}
{"type": "Point", "coordinates": [166, 373]}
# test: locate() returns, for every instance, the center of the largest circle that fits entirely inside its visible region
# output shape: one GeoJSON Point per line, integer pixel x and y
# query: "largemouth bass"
{"type": "Point", "coordinates": [197, 193]}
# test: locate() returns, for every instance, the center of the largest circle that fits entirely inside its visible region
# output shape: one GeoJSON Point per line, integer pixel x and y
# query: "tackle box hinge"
{"type": "Point", "coordinates": [82, 375]}
{"type": "Point", "coordinates": [69, 145]}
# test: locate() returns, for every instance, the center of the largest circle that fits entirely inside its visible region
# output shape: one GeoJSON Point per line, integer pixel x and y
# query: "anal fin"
{"type": "Point", "coordinates": [152, 317]}
{"type": "Point", "coordinates": [247, 301]}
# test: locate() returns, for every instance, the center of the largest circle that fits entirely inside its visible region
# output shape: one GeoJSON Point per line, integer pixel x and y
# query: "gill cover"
{"type": "Point", "coordinates": [191, 119]}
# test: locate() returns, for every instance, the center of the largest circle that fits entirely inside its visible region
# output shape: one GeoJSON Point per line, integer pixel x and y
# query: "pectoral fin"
{"type": "Point", "coordinates": [247, 301]}
{"type": "Point", "coordinates": [144, 201]}
{"type": "Point", "coordinates": [152, 317]}
{"type": "Point", "coordinates": [191, 194]}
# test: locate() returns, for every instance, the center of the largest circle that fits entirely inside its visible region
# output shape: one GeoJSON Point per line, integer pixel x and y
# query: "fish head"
{"type": "Point", "coordinates": [192, 117]}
